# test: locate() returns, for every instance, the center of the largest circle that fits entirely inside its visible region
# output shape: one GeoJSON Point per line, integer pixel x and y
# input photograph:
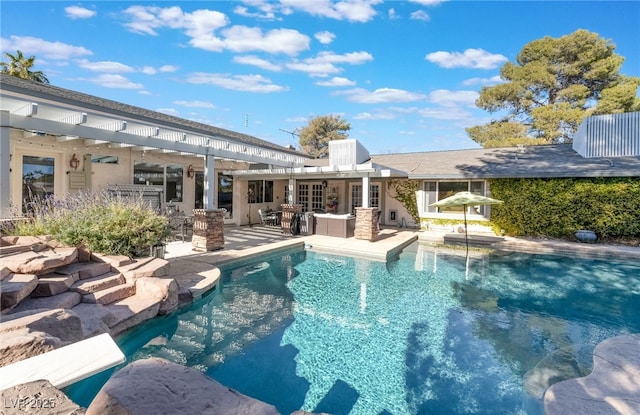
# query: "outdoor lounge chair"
{"type": "Point", "coordinates": [268, 218]}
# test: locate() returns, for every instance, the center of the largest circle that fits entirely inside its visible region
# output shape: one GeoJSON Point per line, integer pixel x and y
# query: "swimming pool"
{"type": "Point", "coordinates": [416, 335]}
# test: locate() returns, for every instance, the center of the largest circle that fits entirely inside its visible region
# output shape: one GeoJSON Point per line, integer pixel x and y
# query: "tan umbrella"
{"type": "Point", "coordinates": [466, 199]}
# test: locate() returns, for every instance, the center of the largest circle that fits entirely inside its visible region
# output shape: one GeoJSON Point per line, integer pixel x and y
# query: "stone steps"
{"type": "Point", "coordinates": [85, 270]}
{"type": "Point", "coordinates": [67, 299]}
{"type": "Point", "coordinates": [52, 284]}
{"type": "Point", "coordinates": [132, 311]}
{"type": "Point", "coordinates": [15, 288]}
{"type": "Point", "coordinates": [98, 283]}
{"type": "Point", "coordinates": [111, 294]}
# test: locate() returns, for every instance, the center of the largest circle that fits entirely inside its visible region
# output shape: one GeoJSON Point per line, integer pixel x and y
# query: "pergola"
{"type": "Point", "coordinates": [37, 109]}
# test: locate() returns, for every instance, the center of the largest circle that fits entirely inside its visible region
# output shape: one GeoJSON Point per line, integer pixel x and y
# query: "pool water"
{"type": "Point", "coordinates": [421, 334]}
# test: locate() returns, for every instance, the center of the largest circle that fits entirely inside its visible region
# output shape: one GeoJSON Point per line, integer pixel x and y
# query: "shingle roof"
{"type": "Point", "coordinates": [90, 102]}
{"type": "Point", "coordinates": [509, 162]}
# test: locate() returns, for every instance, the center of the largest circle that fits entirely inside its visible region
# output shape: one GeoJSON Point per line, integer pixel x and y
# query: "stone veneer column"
{"type": "Point", "coordinates": [366, 223]}
{"type": "Point", "coordinates": [208, 230]}
{"type": "Point", "coordinates": [287, 214]}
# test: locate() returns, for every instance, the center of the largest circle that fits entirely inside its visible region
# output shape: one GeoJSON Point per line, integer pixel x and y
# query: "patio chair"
{"type": "Point", "coordinates": [269, 219]}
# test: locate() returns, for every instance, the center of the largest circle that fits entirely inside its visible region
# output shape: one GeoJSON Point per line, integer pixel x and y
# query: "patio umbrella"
{"type": "Point", "coordinates": [465, 199]}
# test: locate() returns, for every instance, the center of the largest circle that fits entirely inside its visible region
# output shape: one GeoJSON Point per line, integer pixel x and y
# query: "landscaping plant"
{"type": "Point", "coordinates": [104, 222]}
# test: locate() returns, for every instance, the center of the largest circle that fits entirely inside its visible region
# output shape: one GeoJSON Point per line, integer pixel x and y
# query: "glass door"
{"type": "Point", "coordinates": [37, 180]}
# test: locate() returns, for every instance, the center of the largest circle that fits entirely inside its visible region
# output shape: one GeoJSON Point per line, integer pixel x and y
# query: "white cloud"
{"type": "Point", "coordinates": [247, 83]}
{"type": "Point", "coordinates": [379, 96]}
{"type": "Point", "coordinates": [380, 115]}
{"type": "Point", "coordinates": [195, 104]}
{"type": "Point", "coordinates": [258, 62]}
{"type": "Point", "coordinates": [392, 14]}
{"type": "Point", "coordinates": [77, 12]}
{"type": "Point", "coordinates": [168, 68]}
{"type": "Point", "coordinates": [447, 98]}
{"type": "Point", "coordinates": [285, 41]}
{"type": "Point", "coordinates": [115, 81]}
{"type": "Point", "coordinates": [325, 37]}
{"type": "Point", "coordinates": [33, 46]}
{"type": "Point", "coordinates": [266, 12]}
{"type": "Point", "coordinates": [324, 64]}
{"type": "Point", "coordinates": [336, 81]}
{"type": "Point", "coordinates": [206, 28]}
{"type": "Point", "coordinates": [420, 15]}
{"type": "Point", "coordinates": [494, 80]}
{"type": "Point", "coordinates": [105, 66]}
{"type": "Point", "coordinates": [470, 58]}
{"type": "Point", "coordinates": [351, 10]}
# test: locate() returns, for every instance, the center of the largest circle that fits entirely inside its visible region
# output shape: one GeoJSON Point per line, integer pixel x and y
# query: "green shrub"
{"type": "Point", "coordinates": [103, 222]}
{"type": "Point", "coordinates": [558, 207]}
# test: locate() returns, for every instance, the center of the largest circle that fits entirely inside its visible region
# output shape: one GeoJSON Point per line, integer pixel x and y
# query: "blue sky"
{"type": "Point", "coordinates": [404, 74]}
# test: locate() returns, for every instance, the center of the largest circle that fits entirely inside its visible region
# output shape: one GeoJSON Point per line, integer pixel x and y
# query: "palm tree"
{"type": "Point", "coordinates": [21, 67]}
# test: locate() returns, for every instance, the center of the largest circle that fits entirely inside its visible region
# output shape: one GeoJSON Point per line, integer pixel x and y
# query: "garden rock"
{"type": "Point", "coordinates": [23, 343]}
{"type": "Point", "coordinates": [60, 323]}
{"type": "Point", "coordinates": [154, 386]}
{"type": "Point", "coordinates": [165, 290]}
{"type": "Point", "coordinates": [39, 397]}
{"type": "Point", "coordinates": [15, 288]}
{"type": "Point", "coordinates": [39, 262]}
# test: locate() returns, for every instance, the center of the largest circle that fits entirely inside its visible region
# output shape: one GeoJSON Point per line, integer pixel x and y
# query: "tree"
{"type": "Point", "coordinates": [20, 66]}
{"type": "Point", "coordinates": [315, 137]}
{"type": "Point", "coordinates": [554, 84]}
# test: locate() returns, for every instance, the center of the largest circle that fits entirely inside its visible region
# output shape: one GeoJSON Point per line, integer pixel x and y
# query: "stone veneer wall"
{"type": "Point", "coordinates": [287, 214]}
{"type": "Point", "coordinates": [366, 223]}
{"type": "Point", "coordinates": [208, 230]}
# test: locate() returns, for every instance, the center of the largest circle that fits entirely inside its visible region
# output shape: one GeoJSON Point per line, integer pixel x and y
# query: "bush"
{"type": "Point", "coordinates": [558, 207]}
{"type": "Point", "coordinates": [103, 222]}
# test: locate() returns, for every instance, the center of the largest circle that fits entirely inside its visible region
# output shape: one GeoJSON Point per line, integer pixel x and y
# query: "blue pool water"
{"type": "Point", "coordinates": [417, 335]}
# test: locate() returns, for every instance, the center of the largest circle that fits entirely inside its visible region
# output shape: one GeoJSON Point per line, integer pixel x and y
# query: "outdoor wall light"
{"type": "Point", "coordinates": [191, 171]}
{"type": "Point", "coordinates": [74, 162]}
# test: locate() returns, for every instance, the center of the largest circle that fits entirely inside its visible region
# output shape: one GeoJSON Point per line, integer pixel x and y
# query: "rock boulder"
{"type": "Point", "coordinates": [154, 386]}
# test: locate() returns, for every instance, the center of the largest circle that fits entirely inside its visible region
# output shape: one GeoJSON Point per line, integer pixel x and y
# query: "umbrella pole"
{"type": "Point", "coordinates": [466, 235]}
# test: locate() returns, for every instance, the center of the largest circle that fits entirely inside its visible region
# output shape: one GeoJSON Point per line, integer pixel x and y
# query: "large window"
{"type": "Point", "coordinates": [260, 191]}
{"type": "Point", "coordinates": [169, 176]}
{"type": "Point", "coordinates": [440, 190]}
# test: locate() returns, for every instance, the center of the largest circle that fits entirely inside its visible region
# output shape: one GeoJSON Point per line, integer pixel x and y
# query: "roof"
{"type": "Point", "coordinates": [508, 162]}
{"type": "Point", "coordinates": [55, 103]}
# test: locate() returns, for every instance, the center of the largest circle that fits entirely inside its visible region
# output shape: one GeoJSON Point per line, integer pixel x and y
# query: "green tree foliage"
{"type": "Point", "coordinates": [20, 66]}
{"type": "Point", "coordinates": [553, 85]}
{"type": "Point", "coordinates": [315, 137]}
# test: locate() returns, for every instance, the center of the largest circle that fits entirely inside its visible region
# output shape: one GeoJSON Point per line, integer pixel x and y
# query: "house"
{"type": "Point", "coordinates": [56, 141]}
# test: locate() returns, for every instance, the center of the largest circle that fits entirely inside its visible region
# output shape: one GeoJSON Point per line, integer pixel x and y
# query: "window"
{"type": "Point", "coordinates": [37, 180]}
{"type": "Point", "coordinates": [168, 176]}
{"type": "Point", "coordinates": [260, 191]}
{"type": "Point", "coordinates": [439, 190]}
{"type": "Point", "coordinates": [100, 158]}
{"type": "Point", "coordinates": [225, 193]}
{"type": "Point", "coordinates": [356, 196]}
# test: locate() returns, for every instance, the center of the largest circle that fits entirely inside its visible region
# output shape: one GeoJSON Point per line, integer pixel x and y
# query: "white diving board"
{"type": "Point", "coordinates": [66, 365]}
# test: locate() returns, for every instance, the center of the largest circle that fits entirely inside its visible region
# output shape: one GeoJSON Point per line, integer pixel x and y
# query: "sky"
{"type": "Point", "coordinates": [404, 74]}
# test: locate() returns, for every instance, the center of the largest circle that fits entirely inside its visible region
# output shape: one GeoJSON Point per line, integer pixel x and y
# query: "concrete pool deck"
{"type": "Point", "coordinates": [612, 388]}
